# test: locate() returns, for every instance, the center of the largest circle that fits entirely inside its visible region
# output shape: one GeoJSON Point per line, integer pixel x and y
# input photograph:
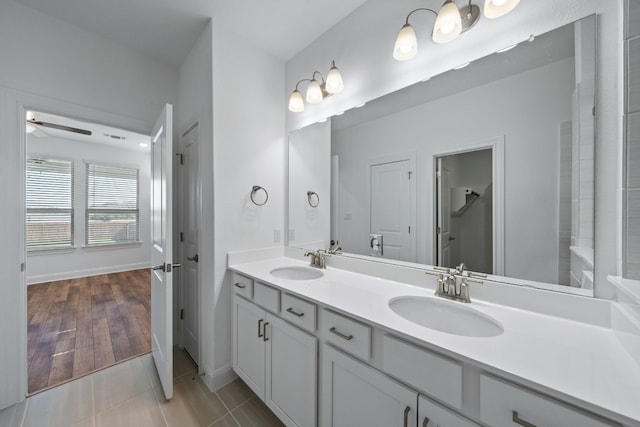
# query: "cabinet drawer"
{"type": "Point", "coordinates": [299, 312]}
{"type": "Point", "coordinates": [266, 296]}
{"type": "Point", "coordinates": [346, 333]}
{"type": "Point", "coordinates": [242, 285]}
{"type": "Point", "coordinates": [504, 404]}
{"type": "Point", "coordinates": [433, 374]}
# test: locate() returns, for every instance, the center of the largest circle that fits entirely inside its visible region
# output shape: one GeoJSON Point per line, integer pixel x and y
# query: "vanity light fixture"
{"type": "Point", "coordinates": [450, 22]}
{"type": "Point", "coordinates": [318, 89]}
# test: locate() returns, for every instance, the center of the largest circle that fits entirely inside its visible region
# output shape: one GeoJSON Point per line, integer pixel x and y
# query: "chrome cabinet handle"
{"type": "Point", "coordinates": [264, 333]}
{"type": "Point", "coordinates": [193, 258]}
{"type": "Point", "coordinates": [159, 267]}
{"type": "Point", "coordinates": [333, 330]}
{"type": "Point", "coordinates": [295, 313]}
{"type": "Point", "coordinates": [238, 285]}
{"type": "Point", "coordinates": [425, 422]}
{"type": "Point", "coordinates": [516, 419]}
{"type": "Point", "coordinates": [406, 416]}
{"type": "Point", "coordinates": [260, 328]}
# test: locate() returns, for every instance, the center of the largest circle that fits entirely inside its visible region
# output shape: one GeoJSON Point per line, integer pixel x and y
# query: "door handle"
{"type": "Point", "coordinates": [166, 267]}
{"type": "Point", "coordinates": [193, 258]}
{"type": "Point", "coordinates": [516, 419]}
{"type": "Point", "coordinates": [406, 416]}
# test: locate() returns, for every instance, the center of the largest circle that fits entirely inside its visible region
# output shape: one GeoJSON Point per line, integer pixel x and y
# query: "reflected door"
{"type": "Point", "coordinates": [443, 227]}
{"type": "Point", "coordinates": [162, 250]}
{"type": "Point", "coordinates": [391, 207]}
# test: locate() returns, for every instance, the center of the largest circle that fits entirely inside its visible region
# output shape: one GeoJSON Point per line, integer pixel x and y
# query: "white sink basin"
{"type": "Point", "coordinates": [297, 273]}
{"type": "Point", "coordinates": [446, 316]}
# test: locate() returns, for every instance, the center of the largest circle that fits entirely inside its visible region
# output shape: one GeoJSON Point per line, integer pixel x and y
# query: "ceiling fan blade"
{"type": "Point", "coordinates": [60, 127]}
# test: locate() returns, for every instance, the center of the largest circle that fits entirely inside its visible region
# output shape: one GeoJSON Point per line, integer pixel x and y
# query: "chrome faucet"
{"type": "Point", "coordinates": [334, 248]}
{"type": "Point", "coordinates": [318, 258]}
{"type": "Point", "coordinates": [447, 286]}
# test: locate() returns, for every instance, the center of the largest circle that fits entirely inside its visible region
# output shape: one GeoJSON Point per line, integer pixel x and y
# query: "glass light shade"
{"type": "Point", "coordinates": [314, 92]}
{"type": "Point", "coordinates": [406, 46]}
{"type": "Point", "coordinates": [334, 81]}
{"type": "Point", "coordinates": [496, 8]}
{"type": "Point", "coordinates": [296, 104]}
{"type": "Point", "coordinates": [448, 23]}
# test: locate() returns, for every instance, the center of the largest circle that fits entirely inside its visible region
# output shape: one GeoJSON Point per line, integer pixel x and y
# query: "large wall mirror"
{"type": "Point", "coordinates": [490, 165]}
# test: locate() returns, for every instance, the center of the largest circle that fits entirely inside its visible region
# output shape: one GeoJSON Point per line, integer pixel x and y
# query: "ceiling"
{"type": "Point", "coordinates": [167, 29]}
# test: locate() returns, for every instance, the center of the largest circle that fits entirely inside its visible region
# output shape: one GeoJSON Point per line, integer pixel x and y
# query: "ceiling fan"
{"type": "Point", "coordinates": [57, 126]}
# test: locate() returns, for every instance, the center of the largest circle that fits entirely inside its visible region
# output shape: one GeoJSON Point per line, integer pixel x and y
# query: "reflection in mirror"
{"type": "Point", "coordinates": [491, 165]}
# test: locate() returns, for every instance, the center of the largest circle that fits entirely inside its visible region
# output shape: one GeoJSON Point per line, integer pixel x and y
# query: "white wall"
{"type": "Point", "coordinates": [543, 100]}
{"type": "Point", "coordinates": [81, 261]}
{"type": "Point", "coordinates": [249, 149]}
{"type": "Point", "coordinates": [362, 43]}
{"type": "Point", "coordinates": [52, 66]}
{"type": "Point", "coordinates": [309, 170]}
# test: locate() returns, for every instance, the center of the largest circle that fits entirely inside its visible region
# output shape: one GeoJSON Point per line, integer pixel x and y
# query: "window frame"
{"type": "Point", "coordinates": [71, 211]}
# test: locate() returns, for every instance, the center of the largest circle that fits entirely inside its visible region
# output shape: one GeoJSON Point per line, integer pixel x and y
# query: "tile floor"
{"type": "Point", "coordinates": [129, 394]}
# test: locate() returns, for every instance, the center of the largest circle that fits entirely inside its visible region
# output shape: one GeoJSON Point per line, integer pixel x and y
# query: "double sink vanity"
{"type": "Point", "coordinates": [335, 347]}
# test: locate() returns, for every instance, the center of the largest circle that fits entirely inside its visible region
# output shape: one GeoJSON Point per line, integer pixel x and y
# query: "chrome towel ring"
{"type": "Point", "coordinates": [313, 199]}
{"type": "Point", "coordinates": [254, 193]}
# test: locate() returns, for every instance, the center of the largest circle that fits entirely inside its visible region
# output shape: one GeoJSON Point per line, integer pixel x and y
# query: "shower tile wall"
{"type": "Point", "coordinates": [631, 183]}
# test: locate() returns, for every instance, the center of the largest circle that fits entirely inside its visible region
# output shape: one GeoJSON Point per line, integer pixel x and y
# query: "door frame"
{"type": "Point", "coordinates": [392, 158]}
{"type": "Point", "coordinates": [496, 144]}
{"type": "Point", "coordinates": [194, 123]}
{"type": "Point", "coordinates": [17, 105]}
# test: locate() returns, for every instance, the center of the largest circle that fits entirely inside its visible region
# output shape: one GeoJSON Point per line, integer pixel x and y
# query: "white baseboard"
{"type": "Point", "coordinates": [66, 275]}
{"type": "Point", "coordinates": [221, 377]}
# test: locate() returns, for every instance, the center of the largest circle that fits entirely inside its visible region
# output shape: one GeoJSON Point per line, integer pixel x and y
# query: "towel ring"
{"type": "Point", "coordinates": [310, 196]}
{"type": "Point", "coordinates": [254, 190]}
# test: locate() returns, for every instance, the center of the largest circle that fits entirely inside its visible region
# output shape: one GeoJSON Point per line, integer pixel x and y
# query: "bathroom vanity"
{"type": "Point", "coordinates": [333, 347]}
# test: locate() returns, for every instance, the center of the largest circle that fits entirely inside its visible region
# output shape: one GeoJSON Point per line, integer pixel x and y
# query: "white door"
{"type": "Point", "coordinates": [432, 414]}
{"type": "Point", "coordinates": [443, 226]}
{"type": "Point", "coordinates": [248, 344]}
{"type": "Point", "coordinates": [391, 206]}
{"type": "Point", "coordinates": [162, 249]}
{"type": "Point", "coordinates": [191, 216]}
{"type": "Point", "coordinates": [291, 367]}
{"type": "Point", "coordinates": [357, 395]}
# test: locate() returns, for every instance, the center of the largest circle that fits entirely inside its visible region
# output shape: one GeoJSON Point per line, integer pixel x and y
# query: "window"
{"type": "Point", "coordinates": [112, 215]}
{"type": "Point", "coordinates": [49, 202]}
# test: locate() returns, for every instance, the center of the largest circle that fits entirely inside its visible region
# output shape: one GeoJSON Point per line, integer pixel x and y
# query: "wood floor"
{"type": "Point", "coordinates": [81, 325]}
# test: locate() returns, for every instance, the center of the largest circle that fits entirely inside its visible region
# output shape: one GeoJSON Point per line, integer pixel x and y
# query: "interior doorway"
{"type": "Point", "coordinates": [87, 222]}
{"type": "Point", "coordinates": [464, 210]}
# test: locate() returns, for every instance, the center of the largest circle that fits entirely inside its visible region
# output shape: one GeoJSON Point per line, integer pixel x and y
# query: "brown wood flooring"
{"type": "Point", "coordinates": [82, 325]}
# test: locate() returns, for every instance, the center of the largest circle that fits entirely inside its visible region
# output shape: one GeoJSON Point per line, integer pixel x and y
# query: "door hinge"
{"type": "Point", "coordinates": [23, 267]}
{"type": "Point", "coordinates": [410, 175]}
{"type": "Point", "coordinates": [182, 314]}
{"type": "Point", "coordinates": [438, 230]}
{"type": "Point", "coordinates": [181, 236]}
{"type": "Point", "coordinates": [593, 112]}
{"type": "Point", "coordinates": [181, 158]}
{"type": "Point", "coordinates": [409, 229]}
{"type": "Point", "coordinates": [438, 173]}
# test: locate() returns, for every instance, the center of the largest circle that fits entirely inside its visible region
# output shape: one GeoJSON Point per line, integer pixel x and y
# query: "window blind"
{"type": "Point", "coordinates": [49, 203]}
{"type": "Point", "coordinates": [112, 214]}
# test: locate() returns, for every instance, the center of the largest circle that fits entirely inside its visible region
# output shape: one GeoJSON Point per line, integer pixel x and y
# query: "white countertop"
{"type": "Point", "coordinates": [573, 361]}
